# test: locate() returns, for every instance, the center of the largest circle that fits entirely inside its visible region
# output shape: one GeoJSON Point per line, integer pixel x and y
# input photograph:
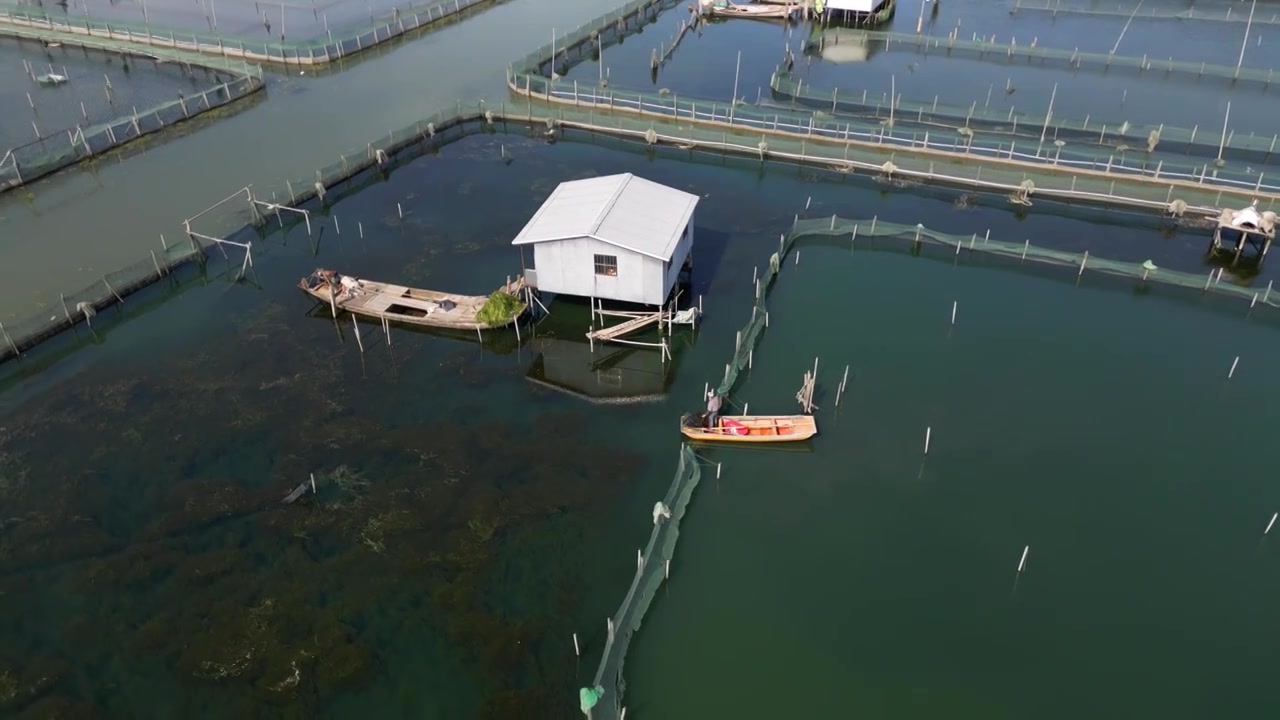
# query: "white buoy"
{"type": "Point", "coordinates": [928, 434]}
{"type": "Point", "coordinates": [1232, 371]}
{"type": "Point", "coordinates": [1273, 522]}
{"type": "Point", "coordinates": [639, 559]}
{"type": "Point", "coordinates": [954, 304]}
{"type": "Point", "coordinates": [1023, 562]}
{"type": "Point", "coordinates": [576, 650]}
{"type": "Point", "coordinates": [666, 567]}
{"type": "Point", "coordinates": [717, 471]}
{"type": "Point", "coordinates": [313, 490]}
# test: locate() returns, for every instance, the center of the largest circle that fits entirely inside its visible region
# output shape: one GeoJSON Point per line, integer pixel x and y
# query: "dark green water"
{"type": "Point", "coordinates": [469, 521]}
{"type": "Point", "coordinates": [1096, 426]}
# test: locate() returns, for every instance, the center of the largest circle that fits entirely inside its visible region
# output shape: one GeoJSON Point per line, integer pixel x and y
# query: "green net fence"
{"type": "Point", "coordinates": [1234, 12]}
{"type": "Point", "coordinates": [1024, 252]}
{"type": "Point", "coordinates": [586, 42]}
{"type": "Point", "coordinates": [986, 158]}
{"type": "Point", "coordinates": [82, 305]}
{"type": "Point", "coordinates": [63, 148]}
{"type": "Point", "coordinates": [653, 567]}
{"type": "Point", "coordinates": [1086, 140]}
{"type": "Point", "coordinates": [334, 45]}
{"type": "Point", "coordinates": [902, 156]}
{"type": "Point", "coordinates": [989, 50]}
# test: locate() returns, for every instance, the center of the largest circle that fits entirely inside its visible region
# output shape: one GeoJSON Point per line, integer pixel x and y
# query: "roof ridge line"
{"type": "Point", "coordinates": [613, 200]}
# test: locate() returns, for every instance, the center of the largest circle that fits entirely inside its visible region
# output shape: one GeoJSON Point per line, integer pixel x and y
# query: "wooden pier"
{"type": "Point", "coordinates": [636, 321]}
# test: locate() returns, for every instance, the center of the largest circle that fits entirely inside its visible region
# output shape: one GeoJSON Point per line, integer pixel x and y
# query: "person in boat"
{"type": "Point", "coordinates": [713, 409]}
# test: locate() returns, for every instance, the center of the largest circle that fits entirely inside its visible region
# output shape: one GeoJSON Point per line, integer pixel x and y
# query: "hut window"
{"type": "Point", "coordinates": [607, 265]}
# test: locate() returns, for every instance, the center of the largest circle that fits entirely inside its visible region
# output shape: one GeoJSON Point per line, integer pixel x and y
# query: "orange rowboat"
{"type": "Point", "coordinates": [751, 428]}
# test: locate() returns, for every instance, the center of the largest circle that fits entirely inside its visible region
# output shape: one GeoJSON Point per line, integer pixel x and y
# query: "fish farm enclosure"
{"type": "Point", "coordinates": [1012, 255]}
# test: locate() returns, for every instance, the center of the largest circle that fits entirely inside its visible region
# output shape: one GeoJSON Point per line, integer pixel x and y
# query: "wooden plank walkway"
{"type": "Point", "coordinates": [625, 328]}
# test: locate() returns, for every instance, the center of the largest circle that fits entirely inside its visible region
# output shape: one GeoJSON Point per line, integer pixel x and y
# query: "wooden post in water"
{"type": "Point", "coordinates": [1222, 144]}
{"type": "Point", "coordinates": [1245, 43]}
{"type": "Point", "coordinates": [736, 70]}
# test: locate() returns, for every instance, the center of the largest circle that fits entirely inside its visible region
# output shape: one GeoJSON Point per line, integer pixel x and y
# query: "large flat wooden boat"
{"type": "Point", "coordinates": [724, 9]}
{"type": "Point", "coordinates": [413, 306]}
{"type": "Point", "coordinates": [750, 428]}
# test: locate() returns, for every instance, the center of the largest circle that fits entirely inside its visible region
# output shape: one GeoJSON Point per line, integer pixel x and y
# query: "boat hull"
{"type": "Point", "coordinates": [754, 14]}
{"type": "Point", "coordinates": [759, 429]}
{"type": "Point", "coordinates": [413, 306]}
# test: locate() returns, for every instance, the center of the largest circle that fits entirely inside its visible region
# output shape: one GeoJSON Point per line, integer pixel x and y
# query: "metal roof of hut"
{"type": "Point", "coordinates": [622, 210]}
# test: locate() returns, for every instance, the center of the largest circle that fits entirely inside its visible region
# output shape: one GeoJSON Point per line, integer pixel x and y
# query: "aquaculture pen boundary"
{"type": "Point", "coordinates": [807, 138]}
{"type": "Point", "coordinates": [1158, 12]}
{"type": "Point", "coordinates": [985, 137]}
{"type": "Point", "coordinates": [863, 230]}
{"type": "Point", "coordinates": [989, 50]}
{"type": "Point", "coordinates": [1208, 143]}
{"type": "Point", "coordinates": [334, 46]}
{"type": "Point", "coordinates": [81, 306]}
{"type": "Point", "coordinates": [65, 147]}
{"type": "Point", "coordinates": [755, 132]}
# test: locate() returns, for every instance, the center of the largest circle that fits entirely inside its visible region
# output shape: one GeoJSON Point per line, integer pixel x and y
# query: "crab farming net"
{"type": "Point", "coordinates": [988, 50]}
{"type": "Point", "coordinates": [333, 44]}
{"type": "Point", "coordinates": [1209, 12]}
{"type": "Point", "coordinates": [861, 230]}
{"type": "Point", "coordinates": [1082, 142]}
{"type": "Point", "coordinates": [899, 153]}
{"type": "Point", "coordinates": [229, 81]}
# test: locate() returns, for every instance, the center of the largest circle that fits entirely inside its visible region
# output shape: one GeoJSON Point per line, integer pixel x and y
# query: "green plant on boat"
{"type": "Point", "coordinates": [499, 309]}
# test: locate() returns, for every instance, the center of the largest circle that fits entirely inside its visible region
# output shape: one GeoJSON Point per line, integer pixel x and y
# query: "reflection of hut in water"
{"type": "Point", "coordinates": [836, 44]}
{"type": "Point", "coordinates": [614, 375]}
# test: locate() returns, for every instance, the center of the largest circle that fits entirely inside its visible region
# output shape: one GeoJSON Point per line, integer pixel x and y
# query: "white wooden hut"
{"type": "Point", "coordinates": [617, 237]}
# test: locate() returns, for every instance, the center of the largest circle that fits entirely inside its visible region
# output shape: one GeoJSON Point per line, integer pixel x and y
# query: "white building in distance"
{"type": "Point", "coordinates": [617, 237]}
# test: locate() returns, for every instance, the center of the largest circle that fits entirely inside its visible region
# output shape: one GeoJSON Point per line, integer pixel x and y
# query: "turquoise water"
{"type": "Point", "coordinates": [1095, 425]}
